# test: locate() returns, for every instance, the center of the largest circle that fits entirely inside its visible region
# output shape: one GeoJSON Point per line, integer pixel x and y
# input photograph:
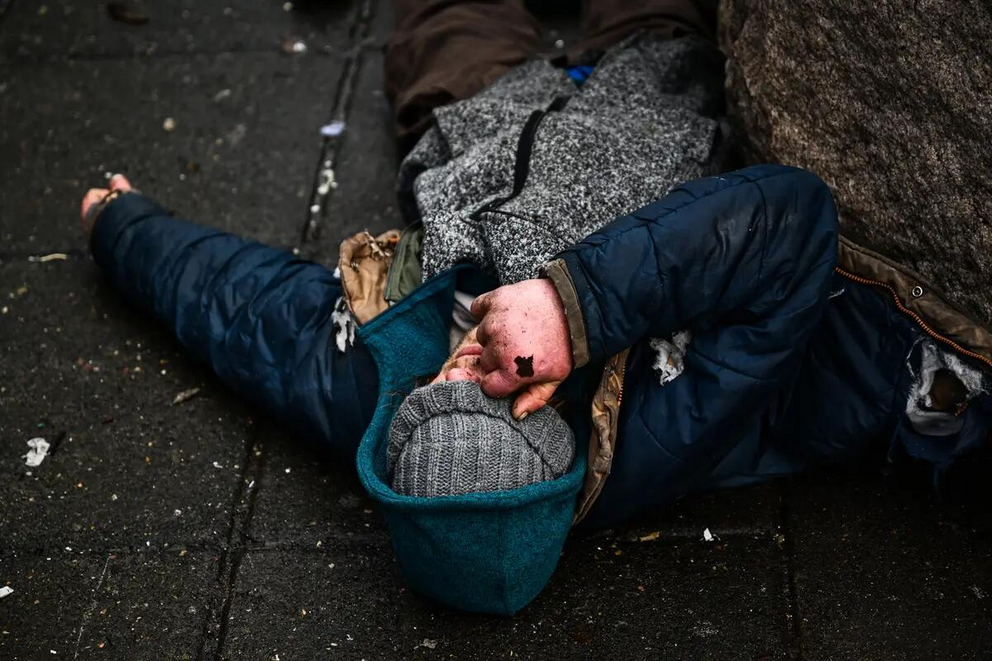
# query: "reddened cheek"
{"type": "Point", "coordinates": [459, 374]}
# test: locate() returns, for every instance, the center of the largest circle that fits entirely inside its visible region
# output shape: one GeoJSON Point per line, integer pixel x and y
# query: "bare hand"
{"type": "Point", "coordinates": [95, 195]}
{"type": "Point", "coordinates": [523, 343]}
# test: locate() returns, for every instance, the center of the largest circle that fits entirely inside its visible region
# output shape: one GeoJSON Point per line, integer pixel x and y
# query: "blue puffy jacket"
{"type": "Point", "coordinates": [791, 364]}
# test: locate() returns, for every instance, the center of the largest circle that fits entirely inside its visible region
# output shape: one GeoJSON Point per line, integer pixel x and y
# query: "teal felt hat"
{"type": "Point", "coordinates": [487, 552]}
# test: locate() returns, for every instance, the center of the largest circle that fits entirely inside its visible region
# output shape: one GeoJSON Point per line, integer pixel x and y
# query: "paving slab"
{"type": "Point", "coordinates": [881, 574]}
{"type": "Point", "coordinates": [308, 497]}
{"type": "Point", "coordinates": [747, 511]}
{"type": "Point", "coordinates": [609, 599]}
{"type": "Point", "coordinates": [241, 155]}
{"type": "Point", "coordinates": [128, 606]}
{"type": "Point", "coordinates": [364, 159]}
{"type": "Point", "coordinates": [86, 28]}
{"type": "Point", "coordinates": [97, 381]}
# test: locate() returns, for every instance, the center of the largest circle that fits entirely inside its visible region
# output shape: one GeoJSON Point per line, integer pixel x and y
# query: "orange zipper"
{"type": "Point", "coordinates": [902, 308]}
{"type": "Point", "coordinates": [623, 373]}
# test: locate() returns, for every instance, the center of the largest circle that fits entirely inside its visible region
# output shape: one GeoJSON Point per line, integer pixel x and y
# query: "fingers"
{"type": "Point", "coordinates": [498, 384]}
{"type": "Point", "coordinates": [481, 305]}
{"type": "Point", "coordinates": [489, 359]}
{"type": "Point", "coordinates": [533, 398]}
{"type": "Point", "coordinates": [483, 334]}
{"type": "Point", "coordinates": [120, 182]}
{"type": "Point", "coordinates": [93, 196]}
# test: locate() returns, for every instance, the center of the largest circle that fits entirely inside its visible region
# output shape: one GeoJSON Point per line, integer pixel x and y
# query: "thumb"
{"type": "Point", "coordinates": [533, 398]}
{"type": "Point", "coordinates": [499, 384]}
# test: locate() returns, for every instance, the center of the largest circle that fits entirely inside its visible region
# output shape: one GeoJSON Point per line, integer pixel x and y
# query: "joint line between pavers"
{"type": "Point", "coordinates": [788, 547]}
{"type": "Point", "coordinates": [93, 605]}
{"type": "Point", "coordinates": [325, 183]}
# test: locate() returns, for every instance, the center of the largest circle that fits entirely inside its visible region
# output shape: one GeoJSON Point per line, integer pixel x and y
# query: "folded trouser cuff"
{"type": "Point", "coordinates": [557, 272]}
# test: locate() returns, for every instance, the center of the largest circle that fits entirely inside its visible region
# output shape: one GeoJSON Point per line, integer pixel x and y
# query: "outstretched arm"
{"type": "Point", "coordinates": [259, 317]}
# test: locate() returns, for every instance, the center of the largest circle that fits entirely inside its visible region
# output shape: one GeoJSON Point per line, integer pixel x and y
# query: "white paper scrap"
{"type": "Point", "coordinates": [37, 452]}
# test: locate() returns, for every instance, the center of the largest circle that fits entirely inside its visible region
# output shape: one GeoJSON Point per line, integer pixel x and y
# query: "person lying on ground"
{"type": "Point", "coordinates": [691, 331]}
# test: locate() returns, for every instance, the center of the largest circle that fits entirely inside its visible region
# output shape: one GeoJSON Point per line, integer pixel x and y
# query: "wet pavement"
{"type": "Point", "coordinates": [202, 530]}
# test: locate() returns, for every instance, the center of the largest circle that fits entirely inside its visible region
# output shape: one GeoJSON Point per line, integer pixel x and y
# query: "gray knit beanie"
{"type": "Point", "coordinates": [449, 438]}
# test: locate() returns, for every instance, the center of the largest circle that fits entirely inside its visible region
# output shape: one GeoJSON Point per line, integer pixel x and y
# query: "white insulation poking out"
{"type": "Point", "coordinates": [932, 360]}
{"type": "Point", "coordinates": [670, 360]}
{"type": "Point", "coordinates": [344, 325]}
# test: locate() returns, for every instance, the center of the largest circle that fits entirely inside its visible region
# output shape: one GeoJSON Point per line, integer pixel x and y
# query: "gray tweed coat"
{"type": "Point", "coordinates": [535, 163]}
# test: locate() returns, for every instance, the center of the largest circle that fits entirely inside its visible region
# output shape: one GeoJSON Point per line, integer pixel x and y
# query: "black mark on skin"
{"type": "Point", "coordinates": [525, 366]}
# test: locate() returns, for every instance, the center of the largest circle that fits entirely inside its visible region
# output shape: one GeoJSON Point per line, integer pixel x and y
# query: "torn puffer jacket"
{"type": "Point", "coordinates": [791, 363]}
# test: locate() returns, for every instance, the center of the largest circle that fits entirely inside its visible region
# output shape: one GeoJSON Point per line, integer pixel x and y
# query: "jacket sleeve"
{"type": "Point", "coordinates": [262, 319]}
{"type": "Point", "coordinates": [735, 245]}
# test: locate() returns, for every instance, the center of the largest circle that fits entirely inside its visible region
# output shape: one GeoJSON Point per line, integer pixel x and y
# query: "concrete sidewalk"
{"type": "Point", "coordinates": [201, 530]}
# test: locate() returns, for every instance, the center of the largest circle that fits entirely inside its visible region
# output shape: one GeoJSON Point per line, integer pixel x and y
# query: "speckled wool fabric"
{"type": "Point", "coordinates": [449, 438]}
{"type": "Point", "coordinates": [644, 121]}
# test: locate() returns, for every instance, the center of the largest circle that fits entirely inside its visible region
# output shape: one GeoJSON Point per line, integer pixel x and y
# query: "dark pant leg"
{"type": "Point", "coordinates": [444, 50]}
{"type": "Point", "coordinates": [607, 22]}
{"type": "Point", "coordinates": [263, 320]}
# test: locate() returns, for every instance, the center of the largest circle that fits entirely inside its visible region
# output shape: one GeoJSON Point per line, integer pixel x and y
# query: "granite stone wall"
{"type": "Point", "coordinates": [891, 103]}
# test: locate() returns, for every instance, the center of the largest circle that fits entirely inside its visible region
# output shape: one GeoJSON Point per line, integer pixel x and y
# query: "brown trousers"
{"type": "Point", "coordinates": [446, 50]}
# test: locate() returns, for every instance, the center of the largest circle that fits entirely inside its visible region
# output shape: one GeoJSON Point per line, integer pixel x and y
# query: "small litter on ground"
{"type": "Point", "coordinates": [708, 536]}
{"type": "Point", "coordinates": [49, 257]}
{"type": "Point", "coordinates": [6, 591]}
{"type": "Point", "coordinates": [37, 452]}
{"type": "Point", "coordinates": [169, 124]}
{"type": "Point", "coordinates": [185, 395]}
{"type": "Point", "coordinates": [294, 46]}
{"type": "Point", "coordinates": [428, 643]}
{"type": "Point", "coordinates": [650, 537]}
{"type": "Point", "coordinates": [333, 129]}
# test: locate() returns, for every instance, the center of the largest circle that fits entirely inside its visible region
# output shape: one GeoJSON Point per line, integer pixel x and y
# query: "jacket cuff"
{"type": "Point", "coordinates": [557, 272]}
{"type": "Point", "coordinates": [120, 212]}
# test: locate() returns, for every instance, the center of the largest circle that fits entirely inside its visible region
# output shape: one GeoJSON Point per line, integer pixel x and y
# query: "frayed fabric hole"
{"type": "Point", "coordinates": [669, 361]}
{"type": "Point", "coordinates": [919, 403]}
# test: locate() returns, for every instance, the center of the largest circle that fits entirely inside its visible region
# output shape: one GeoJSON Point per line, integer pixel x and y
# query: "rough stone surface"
{"type": "Point", "coordinates": [891, 104]}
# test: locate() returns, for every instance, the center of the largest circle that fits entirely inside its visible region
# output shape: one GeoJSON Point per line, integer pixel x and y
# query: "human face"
{"type": "Point", "coordinates": [464, 362]}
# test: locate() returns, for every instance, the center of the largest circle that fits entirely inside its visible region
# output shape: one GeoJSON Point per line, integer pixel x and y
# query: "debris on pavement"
{"type": "Point", "coordinates": [50, 257]}
{"type": "Point", "coordinates": [6, 591]}
{"type": "Point", "coordinates": [185, 395]}
{"type": "Point", "coordinates": [127, 13]}
{"type": "Point", "coordinates": [708, 536]}
{"type": "Point", "coordinates": [294, 46]}
{"type": "Point", "coordinates": [169, 124]}
{"type": "Point", "coordinates": [650, 537]}
{"type": "Point", "coordinates": [237, 134]}
{"type": "Point", "coordinates": [327, 181]}
{"type": "Point", "coordinates": [37, 452]}
{"type": "Point", "coordinates": [333, 129]}
{"type": "Point", "coordinates": [428, 643]}
{"type": "Point", "coordinates": [223, 94]}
